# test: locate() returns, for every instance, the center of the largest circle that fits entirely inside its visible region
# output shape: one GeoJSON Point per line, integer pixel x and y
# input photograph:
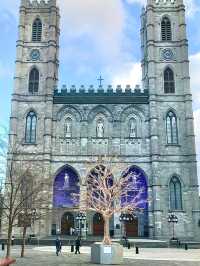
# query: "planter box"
{"type": "Point", "coordinates": [107, 255]}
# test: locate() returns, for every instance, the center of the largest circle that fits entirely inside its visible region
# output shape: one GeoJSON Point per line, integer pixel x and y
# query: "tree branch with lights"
{"type": "Point", "coordinates": [107, 195]}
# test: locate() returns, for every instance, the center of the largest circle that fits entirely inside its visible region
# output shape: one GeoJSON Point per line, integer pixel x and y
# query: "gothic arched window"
{"type": "Point", "coordinates": [166, 31]}
{"type": "Point", "coordinates": [132, 128]}
{"type": "Point", "coordinates": [175, 194]}
{"type": "Point", "coordinates": [68, 127]}
{"type": "Point", "coordinates": [31, 124]}
{"type": "Point", "coordinates": [34, 80]}
{"type": "Point", "coordinates": [169, 84]}
{"type": "Point", "coordinates": [37, 30]}
{"type": "Point", "coordinates": [171, 128]}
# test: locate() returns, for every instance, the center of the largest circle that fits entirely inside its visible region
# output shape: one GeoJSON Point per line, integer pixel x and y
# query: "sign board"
{"type": "Point", "coordinates": [107, 250]}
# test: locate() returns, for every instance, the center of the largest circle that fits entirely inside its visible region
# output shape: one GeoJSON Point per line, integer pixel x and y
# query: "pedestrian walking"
{"type": "Point", "coordinates": [77, 245]}
{"type": "Point", "coordinates": [12, 240]}
{"type": "Point", "coordinates": [58, 246]}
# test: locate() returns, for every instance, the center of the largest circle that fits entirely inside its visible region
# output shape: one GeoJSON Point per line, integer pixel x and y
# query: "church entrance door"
{"type": "Point", "coordinates": [131, 228]}
{"type": "Point", "coordinates": [67, 222]}
{"type": "Point", "coordinates": [98, 225]}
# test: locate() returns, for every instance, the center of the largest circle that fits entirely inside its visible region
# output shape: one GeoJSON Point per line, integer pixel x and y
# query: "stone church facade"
{"type": "Point", "coordinates": [149, 129]}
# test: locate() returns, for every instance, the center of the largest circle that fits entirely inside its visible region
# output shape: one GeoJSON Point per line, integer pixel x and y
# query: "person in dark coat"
{"type": "Point", "coordinates": [58, 246]}
{"type": "Point", "coordinates": [77, 245]}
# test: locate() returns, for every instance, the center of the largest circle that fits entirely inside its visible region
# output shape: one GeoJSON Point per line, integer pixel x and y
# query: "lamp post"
{"type": "Point", "coordinates": [173, 219]}
{"type": "Point", "coordinates": [80, 217]}
{"type": "Point", "coordinates": [27, 217]}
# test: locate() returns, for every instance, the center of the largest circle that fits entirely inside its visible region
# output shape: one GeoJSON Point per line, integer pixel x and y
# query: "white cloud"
{"type": "Point", "coordinates": [195, 77]}
{"type": "Point", "coordinates": [102, 28]}
{"type": "Point", "coordinates": [191, 5]}
{"type": "Point", "coordinates": [131, 75]}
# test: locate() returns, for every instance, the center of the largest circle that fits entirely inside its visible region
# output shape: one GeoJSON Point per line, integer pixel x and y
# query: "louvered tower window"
{"type": "Point", "coordinates": [166, 31]}
{"type": "Point", "coordinates": [169, 84]}
{"type": "Point", "coordinates": [34, 80]}
{"type": "Point", "coordinates": [37, 30]}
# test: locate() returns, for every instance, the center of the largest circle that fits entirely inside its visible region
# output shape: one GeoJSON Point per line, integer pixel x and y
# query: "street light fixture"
{"type": "Point", "coordinates": [81, 217]}
{"type": "Point", "coordinates": [173, 219]}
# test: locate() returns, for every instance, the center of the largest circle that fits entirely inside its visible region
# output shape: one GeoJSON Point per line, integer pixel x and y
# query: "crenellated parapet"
{"type": "Point", "coordinates": [38, 3]}
{"type": "Point", "coordinates": [100, 95]}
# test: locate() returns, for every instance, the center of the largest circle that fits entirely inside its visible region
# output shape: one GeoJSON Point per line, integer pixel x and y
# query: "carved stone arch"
{"type": "Point", "coordinates": [139, 169]}
{"type": "Point", "coordinates": [100, 109]}
{"type": "Point", "coordinates": [67, 166]}
{"type": "Point", "coordinates": [127, 115]}
{"type": "Point", "coordinates": [177, 176]}
{"type": "Point", "coordinates": [31, 109]}
{"type": "Point", "coordinates": [132, 110]}
{"type": "Point", "coordinates": [67, 109]}
{"type": "Point", "coordinates": [34, 66]}
{"type": "Point", "coordinates": [165, 15]}
{"type": "Point", "coordinates": [171, 109]}
{"type": "Point", "coordinates": [170, 67]}
{"type": "Point", "coordinates": [64, 188]}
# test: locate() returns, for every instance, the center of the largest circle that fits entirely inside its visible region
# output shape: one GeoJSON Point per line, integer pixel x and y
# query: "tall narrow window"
{"type": "Point", "coordinates": [166, 31]}
{"type": "Point", "coordinates": [169, 84]}
{"type": "Point", "coordinates": [34, 80]}
{"type": "Point", "coordinates": [175, 194]}
{"type": "Point", "coordinates": [37, 30]}
{"type": "Point", "coordinates": [31, 123]}
{"type": "Point", "coordinates": [171, 128]}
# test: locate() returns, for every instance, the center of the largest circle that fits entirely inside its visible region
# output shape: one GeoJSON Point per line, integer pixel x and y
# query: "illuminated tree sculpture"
{"type": "Point", "coordinates": [107, 195]}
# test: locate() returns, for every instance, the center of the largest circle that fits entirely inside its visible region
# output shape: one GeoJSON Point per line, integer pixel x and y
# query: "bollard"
{"type": "Point", "coordinates": [2, 246]}
{"type": "Point", "coordinates": [137, 250]}
{"type": "Point", "coordinates": [186, 246]}
{"type": "Point", "coordinates": [72, 248]}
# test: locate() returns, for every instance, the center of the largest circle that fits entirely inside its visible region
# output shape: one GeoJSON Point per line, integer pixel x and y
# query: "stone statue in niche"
{"type": "Point", "coordinates": [66, 181]}
{"type": "Point", "coordinates": [133, 128]}
{"type": "Point", "coordinates": [68, 128]}
{"type": "Point", "coordinates": [100, 129]}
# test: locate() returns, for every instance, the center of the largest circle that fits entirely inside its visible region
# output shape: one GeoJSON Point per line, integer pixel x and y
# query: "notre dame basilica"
{"type": "Point", "coordinates": [148, 129]}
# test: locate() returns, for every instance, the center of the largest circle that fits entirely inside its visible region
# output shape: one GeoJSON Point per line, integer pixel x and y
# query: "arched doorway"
{"type": "Point", "coordinates": [66, 185]}
{"type": "Point", "coordinates": [98, 225]}
{"type": "Point", "coordinates": [137, 227]}
{"type": "Point", "coordinates": [67, 222]}
{"type": "Point", "coordinates": [131, 228]}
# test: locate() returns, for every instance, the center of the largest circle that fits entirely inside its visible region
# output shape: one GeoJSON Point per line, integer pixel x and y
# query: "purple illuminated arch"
{"type": "Point", "coordinates": [141, 183]}
{"type": "Point", "coordinates": [65, 185]}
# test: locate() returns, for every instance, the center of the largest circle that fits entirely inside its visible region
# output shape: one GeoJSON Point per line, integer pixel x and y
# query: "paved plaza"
{"type": "Point", "coordinates": [45, 256]}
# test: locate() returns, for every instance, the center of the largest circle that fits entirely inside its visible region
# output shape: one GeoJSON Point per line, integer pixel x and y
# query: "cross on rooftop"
{"type": "Point", "coordinates": [100, 79]}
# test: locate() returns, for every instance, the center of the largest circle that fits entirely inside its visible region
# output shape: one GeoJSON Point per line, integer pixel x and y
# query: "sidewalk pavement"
{"type": "Point", "coordinates": [45, 256]}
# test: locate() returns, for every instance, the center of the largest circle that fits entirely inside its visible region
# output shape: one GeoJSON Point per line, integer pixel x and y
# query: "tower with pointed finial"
{"type": "Point", "coordinates": [36, 77]}
{"type": "Point", "coordinates": [165, 68]}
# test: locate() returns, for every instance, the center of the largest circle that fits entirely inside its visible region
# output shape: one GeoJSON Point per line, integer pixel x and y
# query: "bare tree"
{"type": "Point", "coordinates": [3, 151]}
{"type": "Point", "coordinates": [107, 195]}
{"type": "Point", "coordinates": [31, 206]}
{"type": "Point", "coordinates": [21, 193]}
